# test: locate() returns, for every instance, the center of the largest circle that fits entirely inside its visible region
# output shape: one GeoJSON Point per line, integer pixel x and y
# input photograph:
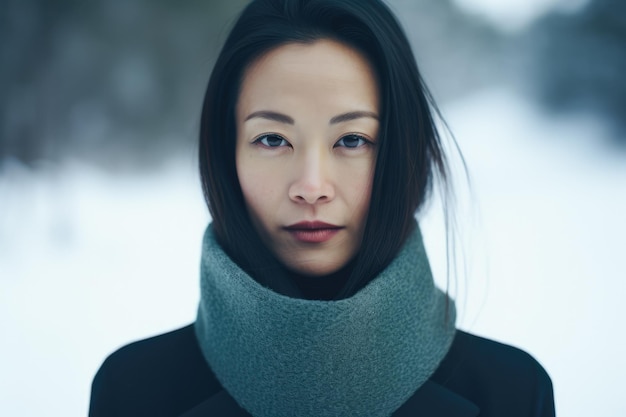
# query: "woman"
{"type": "Point", "coordinates": [317, 147]}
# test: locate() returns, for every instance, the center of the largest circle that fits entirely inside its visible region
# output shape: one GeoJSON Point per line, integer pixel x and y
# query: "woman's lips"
{"type": "Point", "coordinates": [313, 232]}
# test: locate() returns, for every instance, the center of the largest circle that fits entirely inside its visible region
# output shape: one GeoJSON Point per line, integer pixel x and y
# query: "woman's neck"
{"type": "Point", "coordinates": [324, 287]}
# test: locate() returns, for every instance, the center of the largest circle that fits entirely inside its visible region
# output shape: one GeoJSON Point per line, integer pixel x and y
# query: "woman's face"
{"type": "Point", "coordinates": [307, 126]}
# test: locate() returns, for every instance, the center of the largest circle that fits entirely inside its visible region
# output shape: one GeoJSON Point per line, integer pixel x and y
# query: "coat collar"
{"type": "Point", "coordinates": [220, 404]}
{"type": "Point", "coordinates": [431, 399]}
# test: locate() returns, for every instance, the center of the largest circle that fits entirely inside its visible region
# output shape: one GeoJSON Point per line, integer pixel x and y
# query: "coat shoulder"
{"type": "Point", "coordinates": [500, 379]}
{"type": "Point", "coordinates": [161, 375]}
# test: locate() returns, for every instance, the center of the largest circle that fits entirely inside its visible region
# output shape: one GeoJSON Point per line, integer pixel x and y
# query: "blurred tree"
{"type": "Point", "coordinates": [457, 53]}
{"type": "Point", "coordinates": [107, 79]}
{"type": "Point", "coordinates": [578, 61]}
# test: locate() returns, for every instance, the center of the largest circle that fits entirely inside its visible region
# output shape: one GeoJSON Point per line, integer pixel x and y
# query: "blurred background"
{"type": "Point", "coordinates": [101, 212]}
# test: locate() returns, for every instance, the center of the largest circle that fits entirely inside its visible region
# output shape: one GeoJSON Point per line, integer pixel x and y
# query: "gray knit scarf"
{"type": "Point", "coordinates": [364, 355]}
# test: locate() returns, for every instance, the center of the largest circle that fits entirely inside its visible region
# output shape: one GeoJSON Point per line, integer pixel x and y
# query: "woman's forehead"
{"type": "Point", "coordinates": [323, 73]}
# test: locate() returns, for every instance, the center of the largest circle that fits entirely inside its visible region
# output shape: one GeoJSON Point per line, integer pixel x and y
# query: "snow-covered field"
{"type": "Point", "coordinates": [90, 261]}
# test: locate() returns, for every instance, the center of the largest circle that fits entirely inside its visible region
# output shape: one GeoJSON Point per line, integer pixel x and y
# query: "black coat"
{"type": "Point", "coordinates": [167, 376]}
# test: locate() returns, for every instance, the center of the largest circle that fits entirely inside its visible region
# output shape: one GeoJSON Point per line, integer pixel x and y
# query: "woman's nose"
{"type": "Point", "coordinates": [313, 182]}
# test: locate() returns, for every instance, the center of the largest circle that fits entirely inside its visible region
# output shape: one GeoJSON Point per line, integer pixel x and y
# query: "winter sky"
{"type": "Point", "coordinates": [512, 15]}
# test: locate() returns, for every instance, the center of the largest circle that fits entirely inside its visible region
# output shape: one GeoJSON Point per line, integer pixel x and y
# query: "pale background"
{"type": "Point", "coordinates": [100, 231]}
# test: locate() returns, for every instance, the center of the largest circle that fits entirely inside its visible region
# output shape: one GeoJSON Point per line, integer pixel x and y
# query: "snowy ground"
{"type": "Point", "coordinates": [90, 261]}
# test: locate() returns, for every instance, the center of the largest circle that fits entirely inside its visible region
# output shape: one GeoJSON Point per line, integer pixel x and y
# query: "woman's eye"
{"type": "Point", "coordinates": [352, 141]}
{"type": "Point", "coordinates": [272, 141]}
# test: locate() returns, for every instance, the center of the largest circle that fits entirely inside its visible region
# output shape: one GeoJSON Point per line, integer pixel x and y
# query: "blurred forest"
{"type": "Point", "coordinates": [578, 62]}
{"type": "Point", "coordinates": [119, 83]}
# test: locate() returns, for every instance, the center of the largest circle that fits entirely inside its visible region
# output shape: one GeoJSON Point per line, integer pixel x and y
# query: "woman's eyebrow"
{"type": "Point", "coordinates": [271, 115]}
{"type": "Point", "coordinates": [283, 118]}
{"type": "Point", "coordinates": [352, 116]}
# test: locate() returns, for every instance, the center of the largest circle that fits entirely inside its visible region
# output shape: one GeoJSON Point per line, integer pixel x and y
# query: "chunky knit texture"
{"type": "Point", "coordinates": [364, 355]}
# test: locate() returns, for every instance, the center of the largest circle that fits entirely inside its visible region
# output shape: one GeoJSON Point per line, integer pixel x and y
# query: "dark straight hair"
{"type": "Point", "coordinates": [409, 154]}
